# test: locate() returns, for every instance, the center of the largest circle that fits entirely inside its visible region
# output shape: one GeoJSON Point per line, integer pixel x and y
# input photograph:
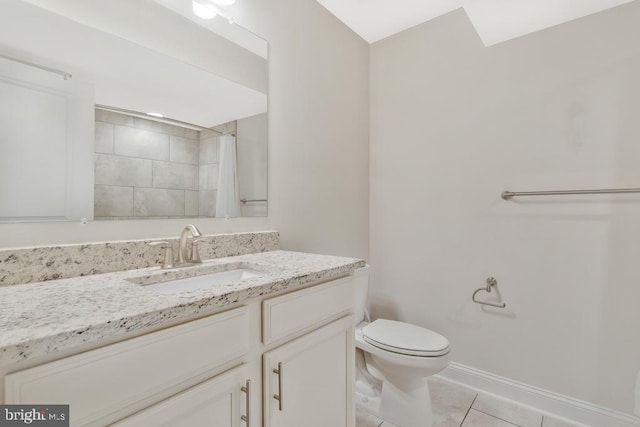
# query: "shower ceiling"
{"type": "Point", "coordinates": [494, 20]}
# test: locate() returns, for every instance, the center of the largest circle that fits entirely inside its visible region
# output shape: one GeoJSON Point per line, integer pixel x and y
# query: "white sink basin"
{"type": "Point", "coordinates": [204, 281]}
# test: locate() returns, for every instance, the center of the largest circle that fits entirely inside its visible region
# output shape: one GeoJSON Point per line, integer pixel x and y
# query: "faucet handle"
{"type": "Point", "coordinates": [195, 253]}
{"type": "Point", "coordinates": [168, 253]}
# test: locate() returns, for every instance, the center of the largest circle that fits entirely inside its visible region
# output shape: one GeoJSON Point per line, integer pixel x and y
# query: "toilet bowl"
{"type": "Point", "coordinates": [393, 361]}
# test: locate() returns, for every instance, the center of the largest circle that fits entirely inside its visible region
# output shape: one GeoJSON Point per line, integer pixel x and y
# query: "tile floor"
{"type": "Point", "coordinates": [457, 406]}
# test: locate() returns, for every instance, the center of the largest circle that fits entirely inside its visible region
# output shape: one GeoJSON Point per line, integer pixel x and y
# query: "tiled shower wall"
{"type": "Point", "coordinates": [145, 168]}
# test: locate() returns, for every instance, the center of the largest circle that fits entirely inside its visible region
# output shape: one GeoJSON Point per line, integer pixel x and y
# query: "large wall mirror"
{"type": "Point", "coordinates": [101, 121]}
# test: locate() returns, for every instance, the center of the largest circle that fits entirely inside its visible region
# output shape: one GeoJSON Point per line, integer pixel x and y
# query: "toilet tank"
{"type": "Point", "coordinates": [361, 278]}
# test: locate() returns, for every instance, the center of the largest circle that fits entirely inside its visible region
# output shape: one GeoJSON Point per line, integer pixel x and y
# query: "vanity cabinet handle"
{"type": "Point", "coordinates": [278, 396]}
{"type": "Point", "coordinates": [247, 389]}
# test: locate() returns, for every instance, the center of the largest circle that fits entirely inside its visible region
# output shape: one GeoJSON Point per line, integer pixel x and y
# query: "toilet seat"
{"type": "Point", "coordinates": [404, 338]}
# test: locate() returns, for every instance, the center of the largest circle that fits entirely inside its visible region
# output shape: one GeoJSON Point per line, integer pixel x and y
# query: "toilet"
{"type": "Point", "coordinates": [393, 361]}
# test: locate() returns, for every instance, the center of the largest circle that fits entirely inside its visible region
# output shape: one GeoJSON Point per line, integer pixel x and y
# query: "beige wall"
{"type": "Point", "coordinates": [318, 142]}
{"type": "Point", "coordinates": [252, 163]}
{"type": "Point", "coordinates": [453, 124]}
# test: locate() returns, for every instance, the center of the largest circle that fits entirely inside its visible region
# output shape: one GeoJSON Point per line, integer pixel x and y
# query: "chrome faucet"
{"type": "Point", "coordinates": [185, 254]}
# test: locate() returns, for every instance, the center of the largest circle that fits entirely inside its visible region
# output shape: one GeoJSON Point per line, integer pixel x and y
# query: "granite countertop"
{"type": "Point", "coordinates": [46, 317]}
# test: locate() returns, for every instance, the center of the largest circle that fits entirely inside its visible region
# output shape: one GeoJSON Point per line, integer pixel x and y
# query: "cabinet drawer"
{"type": "Point", "coordinates": [304, 310]}
{"type": "Point", "coordinates": [215, 402]}
{"type": "Point", "coordinates": [124, 377]}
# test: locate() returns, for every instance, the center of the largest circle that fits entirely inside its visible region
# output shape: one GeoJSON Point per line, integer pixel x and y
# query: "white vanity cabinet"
{"type": "Point", "coordinates": [106, 384]}
{"type": "Point", "coordinates": [221, 401]}
{"type": "Point", "coordinates": [215, 371]}
{"type": "Point", "coordinates": [308, 381]}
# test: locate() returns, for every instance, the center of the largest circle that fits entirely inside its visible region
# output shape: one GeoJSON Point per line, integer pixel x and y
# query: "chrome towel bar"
{"type": "Point", "coordinates": [243, 201]}
{"type": "Point", "coordinates": [491, 282]}
{"type": "Point", "coordinates": [506, 195]}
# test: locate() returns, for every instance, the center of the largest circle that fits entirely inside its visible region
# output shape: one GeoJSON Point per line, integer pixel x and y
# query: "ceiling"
{"type": "Point", "coordinates": [495, 21]}
{"type": "Point", "coordinates": [235, 33]}
{"type": "Point", "coordinates": [123, 74]}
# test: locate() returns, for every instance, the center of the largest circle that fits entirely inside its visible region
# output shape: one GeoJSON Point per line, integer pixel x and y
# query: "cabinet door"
{"type": "Point", "coordinates": [136, 373]}
{"type": "Point", "coordinates": [220, 401]}
{"type": "Point", "coordinates": [309, 381]}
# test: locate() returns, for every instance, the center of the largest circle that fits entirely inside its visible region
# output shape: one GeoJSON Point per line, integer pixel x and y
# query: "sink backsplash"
{"type": "Point", "coordinates": [38, 264]}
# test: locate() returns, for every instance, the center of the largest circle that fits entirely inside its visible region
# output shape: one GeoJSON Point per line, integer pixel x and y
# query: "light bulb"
{"type": "Point", "coordinates": [204, 11]}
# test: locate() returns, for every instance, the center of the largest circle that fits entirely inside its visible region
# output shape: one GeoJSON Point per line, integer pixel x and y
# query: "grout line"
{"type": "Point", "coordinates": [144, 158]}
{"type": "Point", "coordinates": [133, 198]}
{"type": "Point", "coordinates": [501, 419]}
{"type": "Point", "coordinates": [150, 188]}
{"type": "Point", "coordinates": [469, 410]}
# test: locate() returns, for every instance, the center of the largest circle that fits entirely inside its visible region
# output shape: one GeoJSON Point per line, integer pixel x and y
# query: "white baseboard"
{"type": "Point", "coordinates": [545, 401]}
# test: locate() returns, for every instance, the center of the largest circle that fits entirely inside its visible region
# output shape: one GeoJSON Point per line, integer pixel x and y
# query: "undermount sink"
{"type": "Point", "coordinates": [202, 278]}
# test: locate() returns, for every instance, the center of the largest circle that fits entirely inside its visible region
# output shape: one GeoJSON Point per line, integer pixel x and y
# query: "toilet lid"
{"type": "Point", "coordinates": [405, 338]}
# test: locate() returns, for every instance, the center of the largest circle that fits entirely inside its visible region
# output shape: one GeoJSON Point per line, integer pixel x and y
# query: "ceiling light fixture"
{"type": "Point", "coordinates": [204, 11]}
{"type": "Point", "coordinates": [158, 115]}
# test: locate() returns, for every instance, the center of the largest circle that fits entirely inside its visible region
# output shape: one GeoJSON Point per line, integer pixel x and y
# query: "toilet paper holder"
{"type": "Point", "coordinates": [491, 282]}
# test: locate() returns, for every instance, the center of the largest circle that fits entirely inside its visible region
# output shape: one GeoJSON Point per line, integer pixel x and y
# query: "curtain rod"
{"type": "Point", "coordinates": [161, 120]}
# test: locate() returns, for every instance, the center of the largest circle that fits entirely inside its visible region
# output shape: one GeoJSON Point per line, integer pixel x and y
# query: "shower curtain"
{"type": "Point", "coordinates": [227, 197]}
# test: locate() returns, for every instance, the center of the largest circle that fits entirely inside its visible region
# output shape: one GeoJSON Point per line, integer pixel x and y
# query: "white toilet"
{"type": "Point", "coordinates": [393, 361]}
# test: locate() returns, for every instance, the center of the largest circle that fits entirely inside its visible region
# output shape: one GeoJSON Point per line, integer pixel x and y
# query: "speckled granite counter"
{"type": "Point", "coordinates": [41, 263]}
{"type": "Point", "coordinates": [42, 318]}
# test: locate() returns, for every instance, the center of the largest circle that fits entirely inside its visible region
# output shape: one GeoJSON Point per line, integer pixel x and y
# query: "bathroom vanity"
{"type": "Point", "coordinates": [274, 349]}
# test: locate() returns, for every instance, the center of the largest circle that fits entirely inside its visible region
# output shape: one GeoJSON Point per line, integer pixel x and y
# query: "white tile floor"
{"type": "Point", "coordinates": [457, 406]}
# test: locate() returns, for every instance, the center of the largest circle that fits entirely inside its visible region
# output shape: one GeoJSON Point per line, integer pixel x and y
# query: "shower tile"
{"type": "Point", "coordinates": [103, 142]}
{"type": "Point", "coordinates": [122, 171]}
{"type": "Point", "coordinates": [207, 133]}
{"type": "Point", "coordinates": [192, 203]}
{"type": "Point", "coordinates": [365, 419]}
{"type": "Point", "coordinates": [183, 150]}
{"type": "Point", "coordinates": [549, 421]}
{"type": "Point", "coordinates": [209, 151]}
{"type": "Point", "coordinates": [479, 419]}
{"type": "Point", "coordinates": [141, 143]}
{"type": "Point", "coordinates": [112, 201]}
{"type": "Point", "coordinates": [113, 117]}
{"type": "Point", "coordinates": [158, 202]}
{"type": "Point", "coordinates": [220, 128]}
{"type": "Point", "coordinates": [191, 134]}
{"type": "Point", "coordinates": [450, 402]}
{"type": "Point", "coordinates": [209, 177]}
{"type": "Point", "coordinates": [228, 127]}
{"type": "Point", "coordinates": [124, 218]}
{"type": "Point", "coordinates": [160, 127]}
{"type": "Point", "coordinates": [507, 410]}
{"type": "Point", "coordinates": [175, 175]}
{"type": "Point", "coordinates": [207, 203]}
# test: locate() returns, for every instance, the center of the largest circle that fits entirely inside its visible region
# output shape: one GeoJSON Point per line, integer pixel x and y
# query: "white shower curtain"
{"type": "Point", "coordinates": [227, 198]}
